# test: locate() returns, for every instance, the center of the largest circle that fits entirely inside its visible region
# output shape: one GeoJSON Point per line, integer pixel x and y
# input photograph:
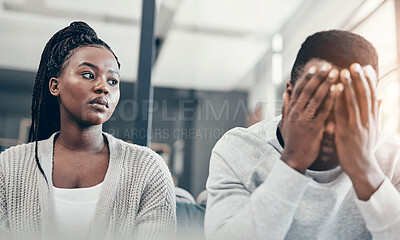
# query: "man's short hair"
{"type": "Point", "coordinates": [341, 48]}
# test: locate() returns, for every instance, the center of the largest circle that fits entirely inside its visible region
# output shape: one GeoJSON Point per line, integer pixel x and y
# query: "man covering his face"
{"type": "Point", "coordinates": [318, 171]}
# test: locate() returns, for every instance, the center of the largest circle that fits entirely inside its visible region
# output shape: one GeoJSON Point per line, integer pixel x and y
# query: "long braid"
{"type": "Point", "coordinates": [45, 110]}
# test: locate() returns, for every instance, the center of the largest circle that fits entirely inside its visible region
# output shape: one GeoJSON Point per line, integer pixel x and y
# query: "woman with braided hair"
{"type": "Point", "coordinates": [73, 181]}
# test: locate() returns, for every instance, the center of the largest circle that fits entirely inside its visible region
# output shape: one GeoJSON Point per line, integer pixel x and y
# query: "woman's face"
{"type": "Point", "coordinates": [88, 87]}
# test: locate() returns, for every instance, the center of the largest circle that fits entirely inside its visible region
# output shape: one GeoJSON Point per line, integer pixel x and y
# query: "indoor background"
{"type": "Point", "coordinates": [218, 64]}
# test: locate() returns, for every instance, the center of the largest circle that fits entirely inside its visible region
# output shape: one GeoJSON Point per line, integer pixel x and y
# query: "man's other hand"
{"type": "Point", "coordinates": [356, 114]}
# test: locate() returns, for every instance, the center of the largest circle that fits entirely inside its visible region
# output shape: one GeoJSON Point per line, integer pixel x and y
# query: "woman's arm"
{"type": "Point", "coordinates": [157, 218]}
{"type": "Point", "coordinates": [4, 225]}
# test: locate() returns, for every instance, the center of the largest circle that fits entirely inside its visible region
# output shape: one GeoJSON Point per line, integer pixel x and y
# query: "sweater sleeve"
{"type": "Point", "coordinates": [4, 225]}
{"type": "Point", "coordinates": [156, 218]}
{"type": "Point", "coordinates": [382, 212]}
{"type": "Point", "coordinates": [233, 212]}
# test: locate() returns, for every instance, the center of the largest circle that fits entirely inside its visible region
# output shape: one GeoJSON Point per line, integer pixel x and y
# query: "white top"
{"type": "Point", "coordinates": [74, 209]}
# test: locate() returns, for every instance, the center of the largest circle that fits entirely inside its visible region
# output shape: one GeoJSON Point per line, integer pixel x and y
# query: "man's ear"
{"type": "Point", "coordinates": [288, 92]}
{"type": "Point", "coordinates": [286, 98]}
{"type": "Point", "coordinates": [54, 86]}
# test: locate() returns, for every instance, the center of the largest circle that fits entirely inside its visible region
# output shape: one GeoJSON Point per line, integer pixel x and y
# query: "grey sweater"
{"type": "Point", "coordinates": [137, 199]}
{"type": "Point", "coordinates": [255, 195]}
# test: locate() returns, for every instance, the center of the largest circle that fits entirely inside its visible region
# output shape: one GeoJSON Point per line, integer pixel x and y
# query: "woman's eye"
{"type": "Point", "coordinates": [113, 81]}
{"type": "Point", "coordinates": [88, 75]}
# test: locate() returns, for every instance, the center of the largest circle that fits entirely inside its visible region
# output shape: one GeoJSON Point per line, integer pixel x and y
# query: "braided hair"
{"type": "Point", "coordinates": [45, 110]}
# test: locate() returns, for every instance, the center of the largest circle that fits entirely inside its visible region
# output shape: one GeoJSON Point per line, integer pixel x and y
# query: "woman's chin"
{"type": "Point", "coordinates": [95, 119]}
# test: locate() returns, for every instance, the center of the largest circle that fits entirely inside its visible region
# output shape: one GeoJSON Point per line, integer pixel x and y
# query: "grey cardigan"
{"type": "Point", "coordinates": [137, 200]}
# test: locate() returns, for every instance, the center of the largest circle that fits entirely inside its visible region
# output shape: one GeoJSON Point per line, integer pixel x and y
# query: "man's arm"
{"type": "Point", "coordinates": [382, 211]}
{"type": "Point", "coordinates": [356, 112]}
{"type": "Point", "coordinates": [233, 212]}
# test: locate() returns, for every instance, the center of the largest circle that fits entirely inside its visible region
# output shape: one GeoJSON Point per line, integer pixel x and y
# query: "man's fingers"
{"type": "Point", "coordinates": [323, 89]}
{"type": "Point", "coordinates": [362, 92]}
{"type": "Point", "coordinates": [351, 101]}
{"type": "Point", "coordinates": [311, 86]}
{"type": "Point", "coordinates": [340, 105]}
{"type": "Point", "coordinates": [372, 79]}
{"type": "Point", "coordinates": [327, 106]}
{"type": "Point", "coordinates": [301, 83]}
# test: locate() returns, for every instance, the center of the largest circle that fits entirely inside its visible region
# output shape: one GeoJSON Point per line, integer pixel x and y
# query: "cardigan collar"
{"type": "Point", "coordinates": [107, 194]}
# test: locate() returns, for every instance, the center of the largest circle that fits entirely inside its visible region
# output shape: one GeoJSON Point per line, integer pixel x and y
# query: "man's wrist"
{"type": "Point", "coordinates": [291, 162]}
{"type": "Point", "coordinates": [366, 182]}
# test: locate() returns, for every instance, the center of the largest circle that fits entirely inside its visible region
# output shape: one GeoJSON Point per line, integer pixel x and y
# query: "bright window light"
{"type": "Point", "coordinates": [277, 42]}
{"type": "Point", "coordinates": [276, 68]}
{"type": "Point", "coordinates": [380, 30]}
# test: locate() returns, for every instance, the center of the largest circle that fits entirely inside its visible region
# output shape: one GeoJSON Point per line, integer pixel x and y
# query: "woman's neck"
{"type": "Point", "coordinates": [74, 137]}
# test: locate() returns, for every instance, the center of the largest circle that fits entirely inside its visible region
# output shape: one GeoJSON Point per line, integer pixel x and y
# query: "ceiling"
{"type": "Point", "coordinates": [209, 44]}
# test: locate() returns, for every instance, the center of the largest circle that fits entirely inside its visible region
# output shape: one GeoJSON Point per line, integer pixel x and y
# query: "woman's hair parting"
{"type": "Point", "coordinates": [45, 110]}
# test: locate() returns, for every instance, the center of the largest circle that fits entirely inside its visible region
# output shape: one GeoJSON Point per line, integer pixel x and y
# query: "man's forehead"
{"type": "Point", "coordinates": [318, 63]}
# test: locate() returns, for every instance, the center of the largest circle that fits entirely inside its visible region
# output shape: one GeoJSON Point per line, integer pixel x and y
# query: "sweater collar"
{"type": "Point", "coordinates": [45, 155]}
{"type": "Point", "coordinates": [107, 195]}
{"type": "Point", "coordinates": [100, 227]}
{"type": "Point", "coordinates": [46, 150]}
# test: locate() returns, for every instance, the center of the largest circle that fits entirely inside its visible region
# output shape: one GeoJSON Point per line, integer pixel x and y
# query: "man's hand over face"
{"type": "Point", "coordinates": [302, 128]}
{"type": "Point", "coordinates": [356, 114]}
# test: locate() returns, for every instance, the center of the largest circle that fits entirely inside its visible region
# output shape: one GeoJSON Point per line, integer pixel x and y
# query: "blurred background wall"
{"type": "Point", "coordinates": [219, 64]}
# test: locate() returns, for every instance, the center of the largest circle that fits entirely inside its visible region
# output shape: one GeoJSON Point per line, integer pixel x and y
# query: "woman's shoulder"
{"type": "Point", "coordinates": [19, 153]}
{"type": "Point", "coordinates": [18, 149]}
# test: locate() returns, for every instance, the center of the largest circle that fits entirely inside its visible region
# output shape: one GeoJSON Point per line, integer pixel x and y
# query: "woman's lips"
{"type": "Point", "coordinates": [100, 103]}
{"type": "Point", "coordinates": [100, 107]}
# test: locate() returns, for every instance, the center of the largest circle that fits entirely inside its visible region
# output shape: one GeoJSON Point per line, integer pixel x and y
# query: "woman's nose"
{"type": "Point", "coordinates": [101, 87]}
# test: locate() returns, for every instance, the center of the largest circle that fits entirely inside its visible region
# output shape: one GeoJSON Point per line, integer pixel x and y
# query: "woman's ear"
{"type": "Point", "coordinates": [54, 87]}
